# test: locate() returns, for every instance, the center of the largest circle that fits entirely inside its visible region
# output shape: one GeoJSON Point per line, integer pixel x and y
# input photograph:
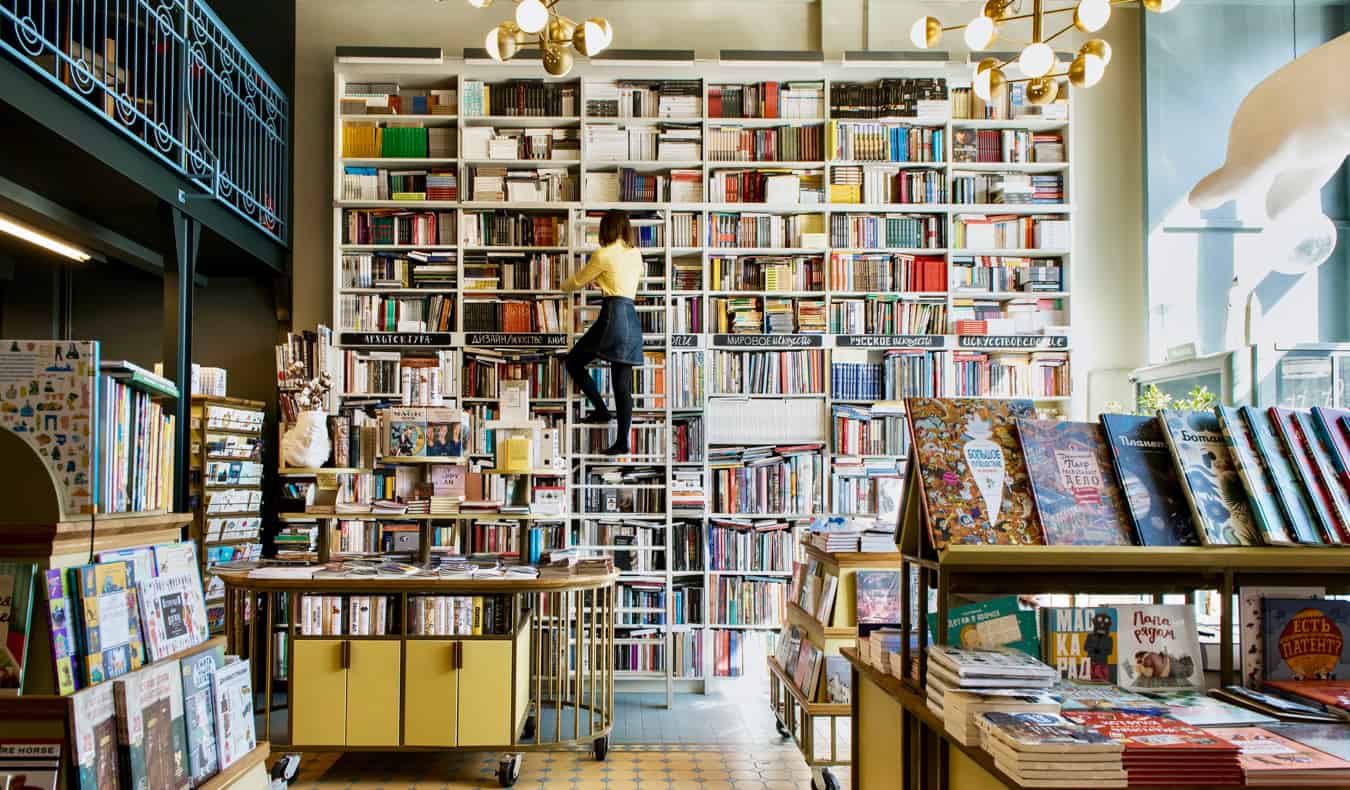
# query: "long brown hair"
{"type": "Point", "coordinates": [614, 227]}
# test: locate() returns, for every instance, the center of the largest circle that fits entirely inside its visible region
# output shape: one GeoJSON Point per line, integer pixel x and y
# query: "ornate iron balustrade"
{"type": "Point", "coordinates": [171, 76]}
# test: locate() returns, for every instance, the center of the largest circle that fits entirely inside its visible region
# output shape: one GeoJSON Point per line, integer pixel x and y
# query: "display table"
{"type": "Point", "coordinates": [548, 681]}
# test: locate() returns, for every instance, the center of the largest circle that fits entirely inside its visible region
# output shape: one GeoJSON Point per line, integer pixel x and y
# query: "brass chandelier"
{"type": "Point", "coordinates": [1036, 62]}
{"type": "Point", "coordinates": [553, 32]}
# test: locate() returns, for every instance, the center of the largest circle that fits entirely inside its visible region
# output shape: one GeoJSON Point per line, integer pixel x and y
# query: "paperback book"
{"type": "Point", "coordinates": [1209, 478]}
{"type": "Point", "coordinates": [972, 480]}
{"type": "Point", "coordinates": [981, 663]}
{"type": "Point", "coordinates": [1305, 639]}
{"type": "Point", "coordinates": [999, 622]}
{"type": "Point", "coordinates": [108, 629]}
{"type": "Point", "coordinates": [1045, 732]}
{"type": "Point", "coordinates": [1073, 484]}
{"type": "Point", "coordinates": [1148, 477]}
{"type": "Point", "coordinates": [61, 617]}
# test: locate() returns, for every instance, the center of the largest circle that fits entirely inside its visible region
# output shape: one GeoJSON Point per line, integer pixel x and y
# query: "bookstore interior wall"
{"type": "Point", "coordinates": [1108, 306]}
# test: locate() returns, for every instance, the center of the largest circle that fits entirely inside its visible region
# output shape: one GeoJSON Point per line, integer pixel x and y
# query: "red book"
{"type": "Point", "coordinates": [770, 100]}
{"type": "Point", "coordinates": [1331, 694]}
{"type": "Point", "coordinates": [1305, 463]}
{"type": "Point", "coordinates": [1144, 735]}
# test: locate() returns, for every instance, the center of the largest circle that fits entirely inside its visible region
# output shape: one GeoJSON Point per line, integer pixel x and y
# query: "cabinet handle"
{"type": "Point", "coordinates": [459, 655]}
{"type": "Point", "coordinates": [454, 655]}
{"type": "Point", "coordinates": [346, 654]}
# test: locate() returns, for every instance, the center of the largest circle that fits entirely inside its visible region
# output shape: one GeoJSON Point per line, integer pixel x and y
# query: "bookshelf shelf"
{"type": "Point", "coordinates": [427, 119]}
{"type": "Point", "coordinates": [1016, 167]}
{"type": "Point", "coordinates": [761, 122]}
{"type": "Point", "coordinates": [522, 121]}
{"type": "Point", "coordinates": [400, 204]}
{"type": "Point", "coordinates": [398, 160]}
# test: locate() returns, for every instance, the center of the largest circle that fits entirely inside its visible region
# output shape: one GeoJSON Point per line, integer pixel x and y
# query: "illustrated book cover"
{"type": "Point", "coordinates": [108, 617]}
{"type": "Point", "coordinates": [1136, 646]}
{"type": "Point", "coordinates": [1148, 477]}
{"type": "Point", "coordinates": [16, 622]}
{"type": "Point", "coordinates": [1044, 732]}
{"type": "Point", "coordinates": [1329, 696]}
{"type": "Point", "coordinates": [150, 728]}
{"type": "Point", "coordinates": [30, 764]}
{"type": "Point", "coordinates": [1294, 500]}
{"type": "Point", "coordinates": [1142, 733]}
{"type": "Point", "coordinates": [62, 618]}
{"type": "Point", "coordinates": [1074, 695]}
{"type": "Point", "coordinates": [877, 594]}
{"type": "Point", "coordinates": [173, 614]}
{"type": "Point", "coordinates": [1251, 636]}
{"type": "Point", "coordinates": [1305, 639]}
{"type": "Point", "coordinates": [1080, 642]}
{"type": "Point", "coordinates": [838, 680]}
{"type": "Point", "coordinates": [971, 475]}
{"type": "Point", "coordinates": [199, 717]}
{"type": "Point", "coordinates": [175, 558]}
{"type": "Point", "coordinates": [1268, 754]}
{"type": "Point", "coordinates": [233, 693]}
{"type": "Point", "coordinates": [1301, 459]}
{"type": "Point", "coordinates": [95, 732]}
{"type": "Point", "coordinates": [1324, 465]}
{"type": "Point", "coordinates": [1074, 485]}
{"type": "Point", "coordinates": [1209, 478]}
{"type": "Point", "coordinates": [1198, 709]}
{"type": "Point", "coordinates": [998, 622]}
{"type": "Point", "coordinates": [1275, 528]}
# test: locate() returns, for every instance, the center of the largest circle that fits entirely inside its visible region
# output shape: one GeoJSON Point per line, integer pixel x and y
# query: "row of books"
{"type": "Point", "coordinates": [628, 185]}
{"type": "Point", "coordinates": [885, 142]}
{"type": "Point", "coordinates": [540, 144]}
{"type": "Point", "coordinates": [1018, 316]}
{"type": "Point", "coordinates": [886, 231]}
{"type": "Point", "coordinates": [1006, 146]}
{"type": "Point", "coordinates": [901, 373]}
{"type": "Point", "coordinates": [135, 445]}
{"type": "Point", "coordinates": [989, 232]}
{"type": "Point", "coordinates": [645, 99]}
{"type": "Point", "coordinates": [663, 143]}
{"type": "Point", "coordinates": [798, 372]}
{"type": "Point", "coordinates": [513, 315]}
{"type": "Point", "coordinates": [886, 273]}
{"type": "Point", "coordinates": [393, 226]}
{"type": "Point", "coordinates": [539, 185]}
{"type": "Point", "coordinates": [747, 600]}
{"type": "Point", "coordinates": [1005, 273]}
{"type": "Point", "coordinates": [396, 140]}
{"type": "Point", "coordinates": [749, 315]}
{"type": "Point", "coordinates": [886, 98]}
{"type": "Point", "coordinates": [388, 98]}
{"type": "Point", "coordinates": [1041, 374]}
{"type": "Point", "coordinates": [369, 183]}
{"type": "Point", "coordinates": [484, 369]}
{"type": "Point", "coordinates": [427, 379]}
{"type": "Point", "coordinates": [781, 144]}
{"type": "Point", "coordinates": [764, 545]}
{"type": "Point", "coordinates": [519, 271]}
{"type": "Point", "coordinates": [791, 187]}
{"type": "Point", "coordinates": [411, 269]}
{"type": "Point", "coordinates": [376, 313]}
{"type": "Point", "coordinates": [765, 273]}
{"type": "Point", "coordinates": [521, 98]}
{"type": "Point", "coordinates": [875, 430]}
{"type": "Point", "coordinates": [1010, 104]}
{"type": "Point", "coordinates": [746, 229]}
{"type": "Point", "coordinates": [1014, 188]}
{"type": "Point", "coordinates": [771, 99]}
{"type": "Point", "coordinates": [887, 315]}
{"type": "Point", "coordinates": [767, 480]}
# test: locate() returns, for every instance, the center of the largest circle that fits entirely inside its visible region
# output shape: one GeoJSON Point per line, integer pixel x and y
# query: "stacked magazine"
{"type": "Point", "coordinates": [1047, 750]}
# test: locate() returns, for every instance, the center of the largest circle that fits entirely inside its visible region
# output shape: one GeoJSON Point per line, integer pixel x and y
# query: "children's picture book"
{"type": "Point", "coordinates": [1305, 639]}
{"type": "Point", "coordinates": [175, 558]}
{"type": "Point", "coordinates": [1251, 636]}
{"type": "Point", "coordinates": [1198, 709]}
{"type": "Point", "coordinates": [173, 614]}
{"type": "Point", "coordinates": [1044, 732]}
{"type": "Point", "coordinates": [30, 764]}
{"type": "Point", "coordinates": [1285, 709]}
{"type": "Point", "coordinates": [838, 680]}
{"type": "Point", "coordinates": [1073, 695]}
{"type": "Point", "coordinates": [108, 617]}
{"type": "Point", "coordinates": [1275, 528]}
{"type": "Point", "coordinates": [1324, 465]}
{"type": "Point", "coordinates": [1294, 500]}
{"type": "Point", "coordinates": [1151, 734]}
{"type": "Point", "coordinates": [1074, 485]}
{"type": "Point", "coordinates": [1329, 696]}
{"type": "Point", "coordinates": [142, 559]}
{"type": "Point", "coordinates": [998, 622]}
{"type": "Point", "coordinates": [151, 732]}
{"type": "Point", "coordinates": [1148, 477]}
{"type": "Point", "coordinates": [199, 718]}
{"type": "Point", "coordinates": [1271, 758]}
{"type": "Point", "coordinates": [1081, 642]}
{"type": "Point", "coordinates": [16, 622]}
{"type": "Point", "coordinates": [61, 616]}
{"type": "Point", "coordinates": [94, 722]}
{"type": "Point", "coordinates": [878, 596]}
{"type": "Point", "coordinates": [233, 695]}
{"type": "Point", "coordinates": [1209, 478]}
{"type": "Point", "coordinates": [1301, 459]}
{"type": "Point", "coordinates": [1159, 648]}
{"type": "Point", "coordinates": [971, 474]}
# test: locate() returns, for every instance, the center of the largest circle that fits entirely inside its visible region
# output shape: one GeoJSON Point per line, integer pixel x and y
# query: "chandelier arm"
{"type": "Point", "coordinates": [1059, 33]}
{"type": "Point", "coordinates": [1033, 79]}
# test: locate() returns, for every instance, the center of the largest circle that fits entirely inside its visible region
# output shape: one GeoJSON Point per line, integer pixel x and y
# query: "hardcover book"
{"type": "Point", "coordinates": [233, 697]}
{"type": "Point", "coordinates": [1251, 635]}
{"type": "Point", "coordinates": [1273, 758]}
{"type": "Point", "coordinates": [1148, 476]}
{"type": "Point", "coordinates": [1331, 696]}
{"type": "Point", "coordinates": [1321, 453]}
{"type": "Point", "coordinates": [838, 680]}
{"type": "Point", "coordinates": [1151, 734]}
{"type": "Point", "coordinates": [991, 664]}
{"type": "Point", "coordinates": [1201, 710]}
{"type": "Point", "coordinates": [94, 714]}
{"type": "Point", "coordinates": [1209, 478]}
{"type": "Point", "coordinates": [1073, 484]}
{"type": "Point", "coordinates": [1044, 732]}
{"type": "Point", "coordinates": [1139, 647]}
{"type": "Point", "coordinates": [1285, 709]}
{"type": "Point", "coordinates": [1328, 425]}
{"type": "Point", "coordinates": [998, 622]}
{"type": "Point", "coordinates": [61, 616]}
{"type": "Point", "coordinates": [878, 596]}
{"type": "Point", "coordinates": [1305, 639]}
{"type": "Point", "coordinates": [16, 622]}
{"type": "Point", "coordinates": [199, 718]}
{"type": "Point", "coordinates": [1294, 500]}
{"type": "Point", "coordinates": [1275, 528]}
{"type": "Point", "coordinates": [174, 614]}
{"type": "Point", "coordinates": [175, 558]}
{"type": "Point", "coordinates": [153, 742]}
{"type": "Point", "coordinates": [1301, 458]}
{"type": "Point", "coordinates": [1080, 642]}
{"type": "Point", "coordinates": [109, 629]}
{"type": "Point", "coordinates": [972, 479]}
{"type": "Point", "coordinates": [1073, 695]}
{"type": "Point", "coordinates": [142, 559]}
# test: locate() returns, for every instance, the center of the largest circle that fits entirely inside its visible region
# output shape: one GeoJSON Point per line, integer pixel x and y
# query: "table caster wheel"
{"type": "Point", "coordinates": [600, 747]}
{"type": "Point", "coordinates": [527, 732]}
{"type": "Point", "coordinates": [286, 768]}
{"type": "Point", "coordinates": [783, 731]}
{"type": "Point", "coordinates": [508, 770]}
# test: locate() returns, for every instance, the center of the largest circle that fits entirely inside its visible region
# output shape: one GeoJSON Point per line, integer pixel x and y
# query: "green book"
{"type": "Point", "coordinates": [999, 622]}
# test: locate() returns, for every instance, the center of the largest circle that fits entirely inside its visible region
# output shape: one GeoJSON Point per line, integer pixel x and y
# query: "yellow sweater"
{"type": "Point", "coordinates": [615, 268]}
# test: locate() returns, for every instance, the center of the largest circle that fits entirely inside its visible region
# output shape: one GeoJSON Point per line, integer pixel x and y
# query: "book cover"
{"type": "Point", "coordinates": [1301, 459]}
{"type": "Point", "coordinates": [173, 614]}
{"type": "Point", "coordinates": [1327, 738]}
{"type": "Point", "coordinates": [108, 621]}
{"type": "Point", "coordinates": [233, 698]}
{"type": "Point", "coordinates": [1274, 705]}
{"type": "Point", "coordinates": [998, 622]}
{"type": "Point", "coordinates": [95, 732]}
{"type": "Point", "coordinates": [175, 558]}
{"type": "Point", "coordinates": [1143, 733]}
{"type": "Point", "coordinates": [1268, 754]}
{"type": "Point", "coordinates": [1148, 477]}
{"type": "Point", "coordinates": [825, 606]}
{"type": "Point", "coordinates": [30, 764]}
{"type": "Point", "coordinates": [1081, 642]}
{"type": "Point", "coordinates": [1158, 647]}
{"type": "Point", "coordinates": [61, 617]}
{"type": "Point", "coordinates": [407, 430]}
{"type": "Point", "coordinates": [1073, 695]}
{"type": "Point", "coordinates": [199, 718]}
{"type": "Point", "coordinates": [992, 663]}
{"type": "Point", "coordinates": [1324, 465]}
{"type": "Point", "coordinates": [1305, 639]}
{"type": "Point", "coordinates": [1044, 732]}
{"type": "Point", "coordinates": [1251, 639]}
{"type": "Point", "coordinates": [1201, 710]}
{"type": "Point", "coordinates": [1294, 500]}
{"type": "Point", "coordinates": [1073, 484]}
{"type": "Point", "coordinates": [16, 622]}
{"type": "Point", "coordinates": [142, 559]}
{"type": "Point", "coordinates": [877, 596]}
{"type": "Point", "coordinates": [972, 478]}
{"type": "Point", "coordinates": [1209, 478]}
{"type": "Point", "coordinates": [153, 742]}
{"type": "Point", "coordinates": [838, 680]}
{"type": "Point", "coordinates": [1332, 696]}
{"type": "Point", "coordinates": [1328, 425]}
{"type": "Point", "coordinates": [1270, 519]}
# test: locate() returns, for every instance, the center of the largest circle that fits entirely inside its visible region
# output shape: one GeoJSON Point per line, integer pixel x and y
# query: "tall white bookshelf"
{"type": "Point", "coordinates": [658, 293]}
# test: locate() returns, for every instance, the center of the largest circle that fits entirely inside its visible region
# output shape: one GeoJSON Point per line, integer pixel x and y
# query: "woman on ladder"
{"type": "Point", "coordinates": [616, 336]}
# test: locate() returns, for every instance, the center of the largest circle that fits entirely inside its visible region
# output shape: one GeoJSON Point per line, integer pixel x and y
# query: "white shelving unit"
{"type": "Point", "coordinates": [661, 292]}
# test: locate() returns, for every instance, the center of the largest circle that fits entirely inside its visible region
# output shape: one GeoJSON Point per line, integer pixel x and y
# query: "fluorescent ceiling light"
{"type": "Point", "coordinates": [42, 240]}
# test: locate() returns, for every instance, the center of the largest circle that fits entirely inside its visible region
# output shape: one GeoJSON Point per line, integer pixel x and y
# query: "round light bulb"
{"type": "Point", "coordinates": [501, 43]}
{"type": "Point", "coordinates": [1086, 70]}
{"type": "Point", "coordinates": [592, 36]}
{"type": "Point", "coordinates": [1161, 6]}
{"type": "Point", "coordinates": [980, 33]}
{"type": "Point", "coordinates": [490, 44]}
{"type": "Point", "coordinates": [925, 32]}
{"type": "Point", "coordinates": [531, 15]}
{"type": "Point", "coordinates": [1092, 15]}
{"type": "Point", "coordinates": [1036, 60]}
{"type": "Point", "coordinates": [989, 78]}
{"type": "Point", "coordinates": [1099, 47]}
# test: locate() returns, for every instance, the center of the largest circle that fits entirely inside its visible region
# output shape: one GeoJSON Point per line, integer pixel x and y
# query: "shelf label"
{"type": "Point", "coordinates": [685, 341]}
{"type": "Point", "coordinates": [395, 339]}
{"type": "Point", "coordinates": [515, 339]}
{"type": "Point", "coordinates": [769, 341]}
{"type": "Point", "coordinates": [889, 341]}
{"type": "Point", "coordinates": [1012, 341]}
{"type": "Point", "coordinates": [653, 342]}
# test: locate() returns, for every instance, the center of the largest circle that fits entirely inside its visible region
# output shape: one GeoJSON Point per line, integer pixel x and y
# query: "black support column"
{"type": "Point", "coordinates": [179, 273]}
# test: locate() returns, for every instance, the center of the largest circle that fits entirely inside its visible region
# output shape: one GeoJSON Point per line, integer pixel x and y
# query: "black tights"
{"type": "Point", "coordinates": [622, 377]}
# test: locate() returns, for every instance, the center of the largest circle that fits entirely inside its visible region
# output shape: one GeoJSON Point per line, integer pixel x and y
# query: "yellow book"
{"type": "Point", "coordinates": [477, 615]}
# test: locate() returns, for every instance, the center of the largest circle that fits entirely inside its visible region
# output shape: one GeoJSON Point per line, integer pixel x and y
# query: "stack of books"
{"type": "Point", "coordinates": [958, 669]}
{"type": "Point", "coordinates": [1161, 751]}
{"type": "Point", "coordinates": [962, 709]}
{"type": "Point", "coordinates": [1047, 750]}
{"type": "Point", "coordinates": [1270, 759]}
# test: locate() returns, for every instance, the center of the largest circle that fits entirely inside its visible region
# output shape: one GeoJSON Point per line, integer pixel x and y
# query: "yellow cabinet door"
{"type": "Point", "coordinates": [374, 678]}
{"type": "Point", "coordinates": [318, 693]}
{"type": "Point", "coordinates": [430, 694]}
{"type": "Point", "coordinates": [485, 693]}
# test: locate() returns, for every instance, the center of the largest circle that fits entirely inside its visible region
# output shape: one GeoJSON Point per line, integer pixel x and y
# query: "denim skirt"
{"type": "Point", "coordinates": [616, 335]}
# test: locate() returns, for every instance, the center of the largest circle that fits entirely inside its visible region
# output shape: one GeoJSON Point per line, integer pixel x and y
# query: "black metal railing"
{"type": "Point", "coordinates": [171, 76]}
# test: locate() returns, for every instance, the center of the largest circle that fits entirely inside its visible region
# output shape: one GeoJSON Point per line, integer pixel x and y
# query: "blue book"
{"type": "Point", "coordinates": [1144, 466]}
{"type": "Point", "coordinates": [1290, 494]}
{"type": "Point", "coordinates": [1209, 478]}
{"type": "Point", "coordinates": [1306, 639]}
{"type": "Point", "coordinates": [1275, 528]}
